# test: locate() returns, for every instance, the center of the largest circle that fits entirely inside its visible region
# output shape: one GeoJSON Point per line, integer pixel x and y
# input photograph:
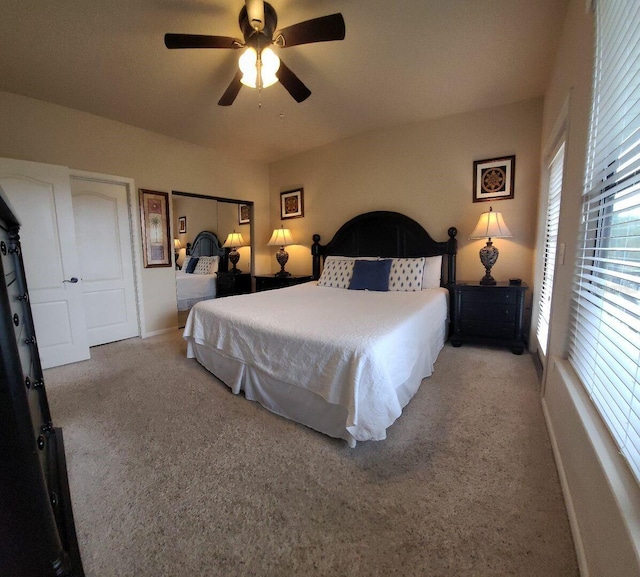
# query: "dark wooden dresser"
{"type": "Point", "coordinates": [492, 314]}
{"type": "Point", "coordinates": [36, 519]}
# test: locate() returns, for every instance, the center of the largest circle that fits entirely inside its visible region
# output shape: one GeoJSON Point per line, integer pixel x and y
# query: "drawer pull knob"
{"type": "Point", "coordinates": [16, 319]}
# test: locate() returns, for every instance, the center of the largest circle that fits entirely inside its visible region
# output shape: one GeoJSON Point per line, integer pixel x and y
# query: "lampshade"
{"type": "Point", "coordinates": [491, 225]}
{"type": "Point", "coordinates": [177, 244]}
{"type": "Point", "coordinates": [234, 239]}
{"type": "Point", "coordinates": [265, 64]}
{"type": "Point", "coordinates": [281, 237]}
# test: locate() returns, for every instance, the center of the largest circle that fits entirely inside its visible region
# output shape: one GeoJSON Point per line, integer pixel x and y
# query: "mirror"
{"type": "Point", "coordinates": [194, 213]}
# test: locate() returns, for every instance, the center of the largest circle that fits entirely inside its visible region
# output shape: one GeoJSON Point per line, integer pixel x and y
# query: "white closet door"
{"type": "Point", "coordinates": [41, 197]}
{"type": "Point", "coordinates": [104, 247]}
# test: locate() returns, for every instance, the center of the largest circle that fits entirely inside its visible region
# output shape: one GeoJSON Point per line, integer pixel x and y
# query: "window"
{"type": "Point", "coordinates": [550, 245]}
{"type": "Point", "coordinates": [604, 346]}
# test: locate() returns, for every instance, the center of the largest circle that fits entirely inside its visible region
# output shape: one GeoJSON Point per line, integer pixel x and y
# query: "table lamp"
{"type": "Point", "coordinates": [281, 237]}
{"type": "Point", "coordinates": [491, 225]}
{"type": "Point", "coordinates": [234, 240]}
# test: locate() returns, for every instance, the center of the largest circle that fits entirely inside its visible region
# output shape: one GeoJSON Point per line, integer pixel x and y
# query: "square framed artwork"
{"type": "Point", "coordinates": [244, 214]}
{"type": "Point", "coordinates": [154, 219]}
{"type": "Point", "coordinates": [182, 225]}
{"type": "Point", "coordinates": [494, 178]}
{"type": "Point", "coordinates": [292, 204]}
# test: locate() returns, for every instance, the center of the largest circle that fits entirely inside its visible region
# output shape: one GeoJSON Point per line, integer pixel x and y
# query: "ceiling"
{"type": "Point", "coordinates": [401, 61]}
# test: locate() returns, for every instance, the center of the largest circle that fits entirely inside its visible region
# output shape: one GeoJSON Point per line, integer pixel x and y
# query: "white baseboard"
{"type": "Point", "coordinates": [568, 499]}
{"type": "Point", "coordinates": [159, 332]}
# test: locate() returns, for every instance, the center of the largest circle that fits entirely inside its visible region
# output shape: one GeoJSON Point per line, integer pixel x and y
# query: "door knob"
{"type": "Point", "coordinates": [72, 280]}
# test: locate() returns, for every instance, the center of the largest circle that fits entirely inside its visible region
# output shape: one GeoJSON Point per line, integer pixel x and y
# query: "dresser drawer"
{"type": "Point", "coordinates": [488, 330]}
{"type": "Point", "coordinates": [492, 296]}
{"type": "Point", "coordinates": [489, 311]}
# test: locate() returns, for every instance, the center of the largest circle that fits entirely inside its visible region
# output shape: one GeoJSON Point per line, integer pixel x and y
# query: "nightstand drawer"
{"type": "Point", "coordinates": [488, 330]}
{"type": "Point", "coordinates": [488, 311]}
{"type": "Point", "coordinates": [492, 296]}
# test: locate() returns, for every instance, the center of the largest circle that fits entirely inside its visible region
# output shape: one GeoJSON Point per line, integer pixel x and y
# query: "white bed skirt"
{"type": "Point", "coordinates": [299, 404]}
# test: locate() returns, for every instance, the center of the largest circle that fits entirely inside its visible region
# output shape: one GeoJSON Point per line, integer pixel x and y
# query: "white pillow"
{"type": "Point", "coordinates": [207, 265]}
{"type": "Point", "coordinates": [337, 272]}
{"type": "Point", "coordinates": [432, 272]}
{"type": "Point", "coordinates": [406, 274]}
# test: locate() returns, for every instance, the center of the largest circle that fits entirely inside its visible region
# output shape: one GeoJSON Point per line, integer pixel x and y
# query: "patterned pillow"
{"type": "Point", "coordinates": [337, 272]}
{"type": "Point", "coordinates": [406, 274]}
{"type": "Point", "coordinates": [205, 265]}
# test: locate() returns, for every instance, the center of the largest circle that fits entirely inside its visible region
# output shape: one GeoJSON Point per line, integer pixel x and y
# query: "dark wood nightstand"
{"type": "Point", "coordinates": [233, 284]}
{"type": "Point", "coordinates": [492, 314]}
{"type": "Point", "coordinates": [266, 283]}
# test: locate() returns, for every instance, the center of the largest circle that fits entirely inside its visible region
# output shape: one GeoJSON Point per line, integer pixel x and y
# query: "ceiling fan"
{"type": "Point", "coordinates": [259, 66]}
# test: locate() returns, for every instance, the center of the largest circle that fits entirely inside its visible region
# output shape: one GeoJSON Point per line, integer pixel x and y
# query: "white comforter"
{"type": "Point", "coordinates": [353, 348]}
{"type": "Point", "coordinates": [192, 288]}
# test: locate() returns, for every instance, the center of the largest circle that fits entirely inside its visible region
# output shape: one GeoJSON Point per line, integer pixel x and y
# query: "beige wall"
{"type": "Point", "coordinates": [43, 132]}
{"type": "Point", "coordinates": [423, 170]}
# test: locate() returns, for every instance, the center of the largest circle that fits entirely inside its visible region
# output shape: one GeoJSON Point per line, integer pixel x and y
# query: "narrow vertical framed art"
{"type": "Point", "coordinates": [292, 204]}
{"type": "Point", "coordinates": [154, 219]}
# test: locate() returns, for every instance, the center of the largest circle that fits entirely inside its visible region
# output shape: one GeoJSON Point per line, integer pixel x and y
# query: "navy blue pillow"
{"type": "Point", "coordinates": [370, 275]}
{"type": "Point", "coordinates": [192, 264]}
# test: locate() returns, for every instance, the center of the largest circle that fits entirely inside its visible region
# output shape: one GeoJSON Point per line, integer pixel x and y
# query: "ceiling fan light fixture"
{"type": "Point", "coordinates": [268, 63]}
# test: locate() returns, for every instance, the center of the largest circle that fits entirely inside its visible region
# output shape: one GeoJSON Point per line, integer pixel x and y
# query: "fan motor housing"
{"type": "Point", "coordinates": [270, 24]}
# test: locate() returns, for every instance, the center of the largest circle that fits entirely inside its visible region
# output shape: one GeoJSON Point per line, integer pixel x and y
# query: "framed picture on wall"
{"type": "Point", "coordinates": [182, 224]}
{"type": "Point", "coordinates": [244, 214]}
{"type": "Point", "coordinates": [154, 218]}
{"type": "Point", "coordinates": [292, 204]}
{"type": "Point", "coordinates": [494, 178]}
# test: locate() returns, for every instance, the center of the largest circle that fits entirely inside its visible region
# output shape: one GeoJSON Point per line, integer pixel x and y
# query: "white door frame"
{"type": "Point", "coordinates": [134, 230]}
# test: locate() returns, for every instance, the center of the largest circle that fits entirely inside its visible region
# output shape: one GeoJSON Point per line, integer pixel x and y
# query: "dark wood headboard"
{"type": "Point", "coordinates": [386, 234]}
{"type": "Point", "coordinates": [206, 243]}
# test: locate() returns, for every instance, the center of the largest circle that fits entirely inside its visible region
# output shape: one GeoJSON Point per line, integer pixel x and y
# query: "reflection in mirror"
{"type": "Point", "coordinates": [193, 214]}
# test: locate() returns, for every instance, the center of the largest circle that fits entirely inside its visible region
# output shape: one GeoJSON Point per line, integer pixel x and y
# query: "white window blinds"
{"type": "Point", "coordinates": [550, 246]}
{"type": "Point", "coordinates": [604, 346]}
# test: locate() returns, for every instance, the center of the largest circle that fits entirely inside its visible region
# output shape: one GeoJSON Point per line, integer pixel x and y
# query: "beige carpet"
{"type": "Point", "coordinates": [172, 475]}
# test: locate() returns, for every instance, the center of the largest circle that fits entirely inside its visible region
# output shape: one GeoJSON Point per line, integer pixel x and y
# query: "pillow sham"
{"type": "Point", "coordinates": [207, 265]}
{"type": "Point", "coordinates": [190, 264]}
{"type": "Point", "coordinates": [432, 272]}
{"type": "Point", "coordinates": [371, 275]}
{"type": "Point", "coordinates": [406, 274]}
{"type": "Point", "coordinates": [337, 272]}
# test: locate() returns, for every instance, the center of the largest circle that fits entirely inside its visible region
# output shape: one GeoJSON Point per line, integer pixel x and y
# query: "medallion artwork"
{"type": "Point", "coordinates": [493, 179]}
{"type": "Point", "coordinates": [291, 205]}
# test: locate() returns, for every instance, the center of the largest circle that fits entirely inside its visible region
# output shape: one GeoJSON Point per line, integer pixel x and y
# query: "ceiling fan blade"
{"type": "Point", "coordinates": [232, 91]}
{"type": "Point", "coordinates": [200, 41]}
{"type": "Point", "coordinates": [323, 29]}
{"type": "Point", "coordinates": [292, 83]}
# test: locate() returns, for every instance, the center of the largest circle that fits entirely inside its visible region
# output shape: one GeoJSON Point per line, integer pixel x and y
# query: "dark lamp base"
{"type": "Point", "coordinates": [282, 274]}
{"type": "Point", "coordinates": [487, 280]}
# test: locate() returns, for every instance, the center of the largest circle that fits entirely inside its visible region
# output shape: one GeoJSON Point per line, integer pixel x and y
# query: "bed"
{"type": "Point", "coordinates": [200, 283]}
{"type": "Point", "coordinates": [369, 349]}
